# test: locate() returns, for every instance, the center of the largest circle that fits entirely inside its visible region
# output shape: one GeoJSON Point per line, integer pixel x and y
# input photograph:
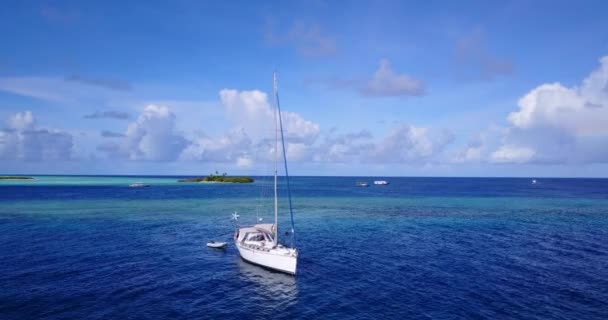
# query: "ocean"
{"type": "Point", "coordinates": [90, 247]}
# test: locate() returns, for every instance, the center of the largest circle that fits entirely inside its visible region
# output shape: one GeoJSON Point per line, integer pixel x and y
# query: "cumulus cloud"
{"type": "Point", "coordinates": [228, 148]}
{"type": "Point", "coordinates": [108, 115]}
{"type": "Point", "coordinates": [407, 143]}
{"type": "Point", "coordinates": [252, 138]}
{"type": "Point", "coordinates": [21, 121]}
{"type": "Point", "coordinates": [23, 140]}
{"type": "Point", "coordinates": [473, 152]}
{"type": "Point", "coordinates": [580, 110]}
{"type": "Point", "coordinates": [480, 145]}
{"type": "Point", "coordinates": [152, 136]}
{"type": "Point", "coordinates": [343, 148]}
{"type": "Point", "coordinates": [244, 162]}
{"type": "Point", "coordinates": [512, 154]}
{"type": "Point", "coordinates": [385, 82]}
{"type": "Point", "coordinates": [403, 144]}
{"type": "Point", "coordinates": [251, 111]}
{"type": "Point", "coordinates": [559, 124]}
{"type": "Point", "coordinates": [298, 151]}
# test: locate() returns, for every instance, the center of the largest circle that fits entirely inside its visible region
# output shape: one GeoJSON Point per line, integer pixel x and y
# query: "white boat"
{"type": "Point", "coordinates": [362, 184]}
{"type": "Point", "coordinates": [380, 182]}
{"type": "Point", "coordinates": [534, 181]}
{"type": "Point", "coordinates": [139, 185]}
{"type": "Point", "coordinates": [216, 245]}
{"type": "Point", "coordinates": [259, 244]}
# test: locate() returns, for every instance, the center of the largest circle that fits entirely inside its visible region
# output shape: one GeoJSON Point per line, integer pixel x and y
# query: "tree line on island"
{"type": "Point", "coordinates": [15, 178]}
{"type": "Point", "coordinates": [219, 178]}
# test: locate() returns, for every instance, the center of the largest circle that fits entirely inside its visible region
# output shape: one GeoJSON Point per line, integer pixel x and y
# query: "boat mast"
{"type": "Point", "coordinates": [278, 114]}
{"type": "Point", "coordinates": [276, 160]}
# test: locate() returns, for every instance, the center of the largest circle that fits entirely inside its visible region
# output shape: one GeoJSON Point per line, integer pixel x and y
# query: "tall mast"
{"type": "Point", "coordinates": [278, 115]}
{"type": "Point", "coordinates": [276, 160]}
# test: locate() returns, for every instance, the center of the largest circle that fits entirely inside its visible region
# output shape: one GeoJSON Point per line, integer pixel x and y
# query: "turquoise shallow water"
{"type": "Point", "coordinates": [89, 181]}
{"type": "Point", "coordinates": [426, 248]}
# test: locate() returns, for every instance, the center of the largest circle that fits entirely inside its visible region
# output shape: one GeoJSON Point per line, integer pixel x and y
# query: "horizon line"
{"type": "Point", "coordinates": [306, 176]}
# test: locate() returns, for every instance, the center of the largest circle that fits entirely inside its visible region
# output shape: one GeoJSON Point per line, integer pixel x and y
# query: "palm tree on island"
{"type": "Point", "coordinates": [217, 178]}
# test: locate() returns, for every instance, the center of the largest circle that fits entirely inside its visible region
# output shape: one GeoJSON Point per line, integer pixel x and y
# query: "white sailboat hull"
{"type": "Point", "coordinates": [281, 259]}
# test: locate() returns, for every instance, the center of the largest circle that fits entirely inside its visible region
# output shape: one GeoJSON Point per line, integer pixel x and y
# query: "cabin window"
{"type": "Point", "coordinates": [256, 237]}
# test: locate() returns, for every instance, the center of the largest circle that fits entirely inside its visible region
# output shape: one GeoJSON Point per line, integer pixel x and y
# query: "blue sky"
{"type": "Point", "coordinates": [510, 88]}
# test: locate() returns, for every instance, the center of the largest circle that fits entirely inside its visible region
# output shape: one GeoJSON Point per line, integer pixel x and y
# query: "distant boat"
{"type": "Point", "coordinates": [259, 244]}
{"type": "Point", "coordinates": [534, 181]}
{"type": "Point", "coordinates": [380, 182]}
{"type": "Point", "coordinates": [216, 245]}
{"type": "Point", "coordinates": [362, 184]}
{"type": "Point", "coordinates": [139, 185]}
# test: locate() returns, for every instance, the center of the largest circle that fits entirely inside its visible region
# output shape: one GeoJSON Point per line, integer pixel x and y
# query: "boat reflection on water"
{"type": "Point", "coordinates": [276, 286]}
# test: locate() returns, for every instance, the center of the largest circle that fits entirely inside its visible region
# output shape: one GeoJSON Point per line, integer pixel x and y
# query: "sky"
{"type": "Point", "coordinates": [367, 88]}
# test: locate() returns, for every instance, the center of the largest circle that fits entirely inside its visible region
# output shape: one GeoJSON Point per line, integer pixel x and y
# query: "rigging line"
{"type": "Point", "coordinates": [265, 187]}
{"type": "Point", "coordinates": [276, 96]}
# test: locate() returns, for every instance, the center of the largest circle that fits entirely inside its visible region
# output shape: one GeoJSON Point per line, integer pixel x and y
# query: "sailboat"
{"type": "Point", "coordinates": [259, 244]}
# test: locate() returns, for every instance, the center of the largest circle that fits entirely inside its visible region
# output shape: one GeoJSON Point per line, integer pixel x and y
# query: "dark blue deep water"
{"type": "Point", "coordinates": [419, 248]}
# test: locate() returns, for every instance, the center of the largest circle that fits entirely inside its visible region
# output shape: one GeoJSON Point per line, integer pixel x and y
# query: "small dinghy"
{"type": "Point", "coordinates": [139, 185]}
{"type": "Point", "coordinates": [216, 245]}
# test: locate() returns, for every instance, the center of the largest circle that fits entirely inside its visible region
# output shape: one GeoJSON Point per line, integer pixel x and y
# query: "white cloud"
{"type": "Point", "coordinates": [230, 147]}
{"type": "Point", "coordinates": [25, 141]}
{"type": "Point", "coordinates": [343, 148]}
{"type": "Point", "coordinates": [472, 154]}
{"type": "Point", "coordinates": [403, 144]}
{"type": "Point", "coordinates": [251, 111]}
{"type": "Point", "coordinates": [407, 143]}
{"type": "Point", "coordinates": [244, 162]}
{"type": "Point", "coordinates": [578, 110]}
{"type": "Point", "coordinates": [298, 151]}
{"type": "Point", "coordinates": [22, 121]}
{"type": "Point", "coordinates": [385, 82]}
{"type": "Point", "coordinates": [481, 145]}
{"type": "Point", "coordinates": [512, 154]}
{"type": "Point", "coordinates": [560, 124]}
{"type": "Point", "coordinates": [152, 136]}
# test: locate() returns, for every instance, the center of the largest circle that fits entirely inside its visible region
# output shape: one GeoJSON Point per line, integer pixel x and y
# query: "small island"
{"type": "Point", "coordinates": [219, 179]}
{"type": "Point", "coordinates": [15, 178]}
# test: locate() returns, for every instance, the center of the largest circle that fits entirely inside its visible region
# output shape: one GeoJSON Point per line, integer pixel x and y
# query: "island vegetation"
{"type": "Point", "coordinates": [217, 178]}
{"type": "Point", "coordinates": [15, 178]}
